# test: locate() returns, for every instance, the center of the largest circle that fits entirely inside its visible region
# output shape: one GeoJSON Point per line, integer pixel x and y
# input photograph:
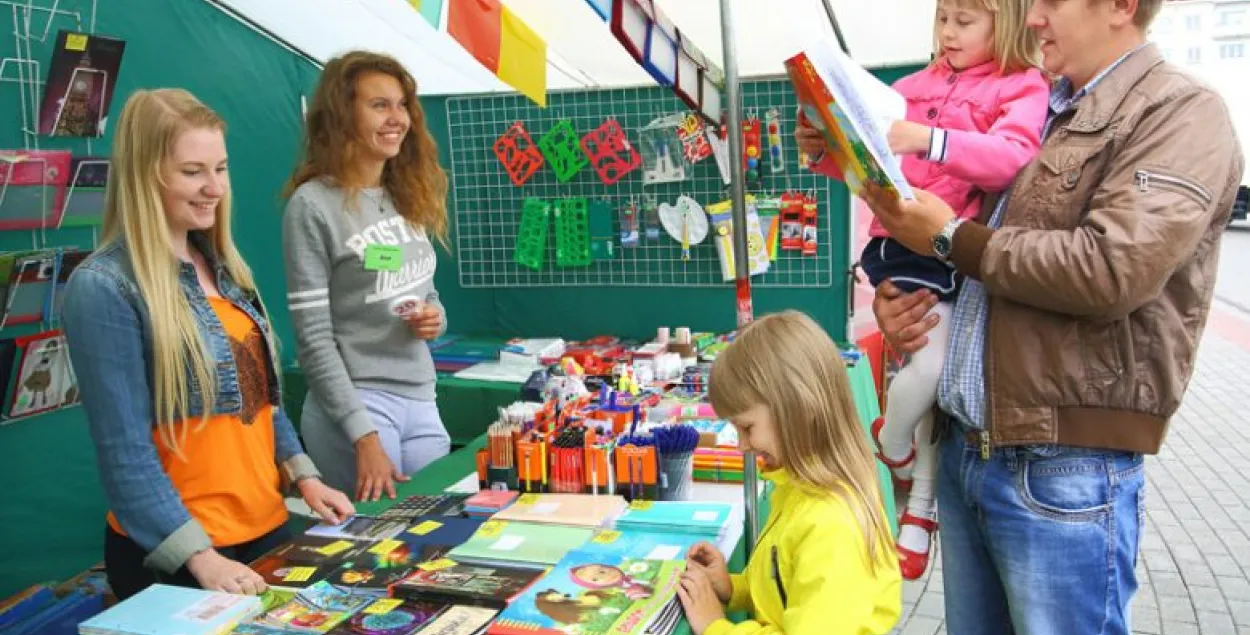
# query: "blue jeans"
{"type": "Point", "coordinates": [1040, 540]}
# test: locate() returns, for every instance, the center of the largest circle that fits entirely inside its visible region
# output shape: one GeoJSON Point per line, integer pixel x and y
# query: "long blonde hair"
{"type": "Point", "coordinates": [150, 123]}
{"type": "Point", "coordinates": [413, 178]}
{"type": "Point", "coordinates": [787, 363]}
{"type": "Point", "coordinates": [1015, 46]}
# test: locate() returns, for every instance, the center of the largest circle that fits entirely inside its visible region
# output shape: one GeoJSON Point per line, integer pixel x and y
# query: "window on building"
{"type": "Point", "coordinates": [1232, 17]}
{"type": "Point", "coordinates": [1193, 22]}
{"type": "Point", "coordinates": [1232, 50]}
{"type": "Point", "coordinates": [1195, 55]}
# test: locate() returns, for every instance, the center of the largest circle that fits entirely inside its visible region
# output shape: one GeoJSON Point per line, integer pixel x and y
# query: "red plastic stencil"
{"type": "Point", "coordinates": [518, 154]}
{"type": "Point", "coordinates": [610, 153]}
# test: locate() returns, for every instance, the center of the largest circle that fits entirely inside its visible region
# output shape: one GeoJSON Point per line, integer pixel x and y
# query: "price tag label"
{"type": "Point", "coordinates": [437, 565]}
{"type": "Point", "coordinates": [383, 606]}
{"type": "Point", "coordinates": [76, 42]}
{"type": "Point", "coordinates": [386, 547]}
{"type": "Point", "coordinates": [299, 574]}
{"type": "Point", "coordinates": [337, 547]}
{"type": "Point", "coordinates": [527, 499]}
{"type": "Point", "coordinates": [640, 505]}
{"type": "Point", "coordinates": [606, 537]}
{"type": "Point", "coordinates": [425, 528]}
{"type": "Point", "coordinates": [491, 528]}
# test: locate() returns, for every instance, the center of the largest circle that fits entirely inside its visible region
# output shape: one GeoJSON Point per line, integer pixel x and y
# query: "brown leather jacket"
{"type": "Point", "coordinates": [1101, 275]}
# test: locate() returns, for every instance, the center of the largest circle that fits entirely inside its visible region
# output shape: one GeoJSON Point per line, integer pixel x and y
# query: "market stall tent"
{"type": "Point", "coordinates": [582, 53]}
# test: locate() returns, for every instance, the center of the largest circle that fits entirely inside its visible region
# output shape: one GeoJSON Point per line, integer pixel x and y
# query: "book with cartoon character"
{"type": "Point", "coordinates": [461, 583]}
{"type": "Point", "coordinates": [594, 592]}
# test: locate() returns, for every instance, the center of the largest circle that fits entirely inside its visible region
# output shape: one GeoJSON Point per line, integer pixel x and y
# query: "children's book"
{"type": "Point", "coordinates": [520, 544]}
{"type": "Point", "coordinates": [360, 528]}
{"type": "Point", "coordinates": [439, 531]}
{"type": "Point", "coordinates": [643, 545]}
{"type": "Point", "coordinates": [171, 610]}
{"type": "Point", "coordinates": [854, 111]}
{"type": "Point", "coordinates": [703, 518]}
{"type": "Point", "coordinates": [593, 592]}
{"type": "Point", "coordinates": [465, 583]}
{"type": "Point", "coordinates": [460, 620]}
{"type": "Point", "coordinates": [391, 616]}
{"type": "Point", "coordinates": [316, 609]}
{"type": "Point", "coordinates": [281, 573]}
{"type": "Point", "coordinates": [580, 510]}
{"type": "Point", "coordinates": [306, 549]}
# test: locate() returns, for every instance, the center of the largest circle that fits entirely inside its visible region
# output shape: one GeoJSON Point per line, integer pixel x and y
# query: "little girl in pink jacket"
{"type": "Point", "coordinates": [974, 119]}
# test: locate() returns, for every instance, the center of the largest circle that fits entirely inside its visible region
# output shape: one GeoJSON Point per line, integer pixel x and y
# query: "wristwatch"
{"type": "Point", "coordinates": [945, 239]}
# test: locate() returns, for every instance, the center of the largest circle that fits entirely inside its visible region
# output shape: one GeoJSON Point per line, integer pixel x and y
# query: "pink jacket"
{"type": "Point", "coordinates": [987, 126]}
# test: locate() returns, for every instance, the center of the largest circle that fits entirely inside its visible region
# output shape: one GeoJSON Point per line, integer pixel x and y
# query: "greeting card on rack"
{"type": "Point", "coordinates": [610, 152]}
{"type": "Point", "coordinates": [80, 85]}
{"type": "Point", "coordinates": [45, 380]}
{"type": "Point", "coordinates": [34, 183]}
{"type": "Point", "coordinates": [515, 149]}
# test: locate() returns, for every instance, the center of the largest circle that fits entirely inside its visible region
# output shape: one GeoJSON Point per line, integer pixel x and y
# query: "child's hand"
{"type": "Point", "coordinates": [810, 141]}
{"type": "Point", "coordinates": [907, 137]}
{"type": "Point", "coordinates": [708, 559]}
{"type": "Point", "coordinates": [699, 600]}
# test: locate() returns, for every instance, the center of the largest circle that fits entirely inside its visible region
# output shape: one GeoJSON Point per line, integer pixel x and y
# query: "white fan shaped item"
{"type": "Point", "coordinates": [688, 213]}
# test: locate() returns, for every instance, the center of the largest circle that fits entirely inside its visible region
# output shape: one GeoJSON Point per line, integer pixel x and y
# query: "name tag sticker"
{"type": "Point", "coordinates": [383, 258]}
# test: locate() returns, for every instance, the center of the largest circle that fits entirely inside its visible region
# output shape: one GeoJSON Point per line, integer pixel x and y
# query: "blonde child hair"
{"type": "Point", "coordinates": [787, 363]}
{"type": "Point", "coordinates": [149, 125]}
{"type": "Point", "coordinates": [1015, 46]}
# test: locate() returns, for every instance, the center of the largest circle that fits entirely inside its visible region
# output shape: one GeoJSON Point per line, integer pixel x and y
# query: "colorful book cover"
{"type": "Point", "coordinates": [360, 528]}
{"type": "Point", "coordinates": [391, 616]}
{"type": "Point", "coordinates": [465, 583]}
{"type": "Point", "coordinates": [520, 544]}
{"type": "Point", "coordinates": [593, 593]}
{"type": "Point", "coordinates": [460, 620]}
{"type": "Point", "coordinates": [306, 549]}
{"type": "Point", "coordinates": [852, 109]}
{"type": "Point", "coordinates": [171, 610]}
{"type": "Point", "coordinates": [706, 518]}
{"type": "Point", "coordinates": [643, 545]}
{"type": "Point", "coordinates": [316, 609]}
{"type": "Point", "coordinates": [281, 573]}
{"type": "Point", "coordinates": [78, 91]}
{"type": "Point", "coordinates": [581, 510]}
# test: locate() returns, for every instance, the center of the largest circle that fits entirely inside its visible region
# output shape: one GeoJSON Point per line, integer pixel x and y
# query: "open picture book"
{"type": "Point", "coordinates": [854, 111]}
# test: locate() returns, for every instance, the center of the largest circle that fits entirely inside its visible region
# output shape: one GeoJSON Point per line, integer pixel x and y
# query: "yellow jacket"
{"type": "Point", "coordinates": [822, 568]}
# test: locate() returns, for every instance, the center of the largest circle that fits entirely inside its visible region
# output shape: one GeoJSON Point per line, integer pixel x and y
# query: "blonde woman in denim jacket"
{"type": "Point", "coordinates": [176, 364]}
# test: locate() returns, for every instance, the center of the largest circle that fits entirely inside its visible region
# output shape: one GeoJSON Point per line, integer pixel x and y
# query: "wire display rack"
{"type": "Point", "coordinates": [487, 206]}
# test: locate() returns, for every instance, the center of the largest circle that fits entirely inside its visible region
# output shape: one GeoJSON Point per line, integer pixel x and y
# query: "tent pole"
{"type": "Point", "coordinates": [837, 30]}
{"type": "Point", "coordinates": [742, 267]}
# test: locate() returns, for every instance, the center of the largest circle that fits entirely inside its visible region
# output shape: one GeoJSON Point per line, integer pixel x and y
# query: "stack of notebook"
{"type": "Point", "coordinates": [506, 543]}
{"type": "Point", "coordinates": [487, 503]}
{"type": "Point", "coordinates": [169, 610]}
{"type": "Point", "coordinates": [683, 517]}
{"type": "Point", "coordinates": [576, 510]}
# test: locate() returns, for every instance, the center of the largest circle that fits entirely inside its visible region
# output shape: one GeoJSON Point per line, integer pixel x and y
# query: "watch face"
{"type": "Point", "coordinates": [942, 245]}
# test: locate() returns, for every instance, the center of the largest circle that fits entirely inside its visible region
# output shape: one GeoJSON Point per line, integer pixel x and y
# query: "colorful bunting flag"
{"type": "Point", "coordinates": [431, 10]}
{"type": "Point", "coordinates": [499, 40]}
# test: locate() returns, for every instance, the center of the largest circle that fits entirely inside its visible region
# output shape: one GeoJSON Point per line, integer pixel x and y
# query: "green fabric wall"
{"type": "Point", "coordinates": [52, 524]}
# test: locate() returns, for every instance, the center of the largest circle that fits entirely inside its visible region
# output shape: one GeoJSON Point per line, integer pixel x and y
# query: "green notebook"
{"type": "Point", "coordinates": [503, 543]}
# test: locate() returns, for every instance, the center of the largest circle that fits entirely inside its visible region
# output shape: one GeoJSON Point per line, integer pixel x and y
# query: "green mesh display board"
{"type": "Point", "coordinates": [488, 206]}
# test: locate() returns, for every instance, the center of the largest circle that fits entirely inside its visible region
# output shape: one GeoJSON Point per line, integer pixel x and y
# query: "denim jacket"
{"type": "Point", "coordinates": [108, 332]}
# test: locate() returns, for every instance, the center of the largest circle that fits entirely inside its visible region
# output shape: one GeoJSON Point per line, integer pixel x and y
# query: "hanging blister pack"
{"type": "Point", "coordinates": [651, 217]}
{"type": "Point", "coordinates": [629, 224]}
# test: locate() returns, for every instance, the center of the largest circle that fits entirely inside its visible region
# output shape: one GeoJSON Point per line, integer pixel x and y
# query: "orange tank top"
{"type": "Point", "coordinates": [229, 480]}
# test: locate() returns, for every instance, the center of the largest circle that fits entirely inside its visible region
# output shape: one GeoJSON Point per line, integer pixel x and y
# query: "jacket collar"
{"type": "Point", "coordinates": [779, 477]}
{"type": "Point", "coordinates": [945, 69]}
{"type": "Point", "coordinates": [1094, 111]}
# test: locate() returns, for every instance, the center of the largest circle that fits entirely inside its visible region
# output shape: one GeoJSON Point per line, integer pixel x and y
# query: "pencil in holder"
{"type": "Point", "coordinates": [676, 476]}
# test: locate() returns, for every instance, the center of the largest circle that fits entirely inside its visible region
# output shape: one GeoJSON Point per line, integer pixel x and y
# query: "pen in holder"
{"type": "Point", "coordinates": [676, 445]}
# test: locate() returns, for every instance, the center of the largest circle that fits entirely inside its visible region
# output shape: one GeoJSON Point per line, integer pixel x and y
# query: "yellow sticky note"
{"type": "Point", "coordinates": [299, 574]}
{"type": "Point", "coordinates": [425, 527]}
{"type": "Point", "coordinates": [386, 547]}
{"type": "Point", "coordinates": [383, 606]}
{"type": "Point", "coordinates": [606, 537]}
{"type": "Point", "coordinates": [336, 547]}
{"type": "Point", "coordinates": [491, 528]}
{"type": "Point", "coordinates": [76, 42]}
{"type": "Point", "coordinates": [437, 565]}
{"type": "Point", "coordinates": [522, 57]}
{"type": "Point", "coordinates": [640, 505]}
{"type": "Point", "coordinates": [527, 499]}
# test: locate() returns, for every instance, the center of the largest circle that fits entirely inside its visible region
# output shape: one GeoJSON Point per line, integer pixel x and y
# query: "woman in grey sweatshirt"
{"type": "Point", "coordinates": [362, 208]}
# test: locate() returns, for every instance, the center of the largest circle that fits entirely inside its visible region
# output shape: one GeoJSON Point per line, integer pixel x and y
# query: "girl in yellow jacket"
{"type": "Point", "coordinates": [824, 563]}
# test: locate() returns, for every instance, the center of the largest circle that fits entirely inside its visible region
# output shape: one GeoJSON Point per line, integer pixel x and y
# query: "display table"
{"type": "Point", "coordinates": [467, 406]}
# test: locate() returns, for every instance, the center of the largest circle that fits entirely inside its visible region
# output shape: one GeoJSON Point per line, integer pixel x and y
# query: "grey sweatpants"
{"type": "Point", "coordinates": [411, 432]}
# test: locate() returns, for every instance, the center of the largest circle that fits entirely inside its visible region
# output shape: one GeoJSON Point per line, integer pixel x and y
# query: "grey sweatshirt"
{"type": "Point", "coordinates": [347, 333]}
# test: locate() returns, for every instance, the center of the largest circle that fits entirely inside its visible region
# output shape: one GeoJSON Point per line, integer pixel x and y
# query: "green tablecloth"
{"type": "Point", "coordinates": [467, 406]}
{"type": "Point", "coordinates": [450, 469]}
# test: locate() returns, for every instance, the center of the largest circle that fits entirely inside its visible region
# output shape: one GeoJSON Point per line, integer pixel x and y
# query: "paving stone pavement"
{"type": "Point", "coordinates": [1194, 566]}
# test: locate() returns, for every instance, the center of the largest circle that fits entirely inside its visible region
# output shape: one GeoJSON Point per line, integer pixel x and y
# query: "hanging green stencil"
{"type": "Point", "coordinates": [572, 233]}
{"type": "Point", "coordinates": [563, 150]}
{"type": "Point", "coordinates": [602, 238]}
{"type": "Point", "coordinates": [531, 239]}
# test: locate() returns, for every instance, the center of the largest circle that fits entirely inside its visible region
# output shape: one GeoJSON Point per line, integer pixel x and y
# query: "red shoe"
{"type": "Point", "coordinates": [897, 473]}
{"type": "Point", "coordinates": [911, 564]}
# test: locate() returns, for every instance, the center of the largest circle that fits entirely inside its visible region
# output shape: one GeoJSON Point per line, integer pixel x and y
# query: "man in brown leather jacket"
{"type": "Point", "coordinates": [1087, 286]}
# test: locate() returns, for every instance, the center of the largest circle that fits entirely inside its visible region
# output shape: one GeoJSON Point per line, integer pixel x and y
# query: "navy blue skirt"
{"type": "Point", "coordinates": [887, 259]}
